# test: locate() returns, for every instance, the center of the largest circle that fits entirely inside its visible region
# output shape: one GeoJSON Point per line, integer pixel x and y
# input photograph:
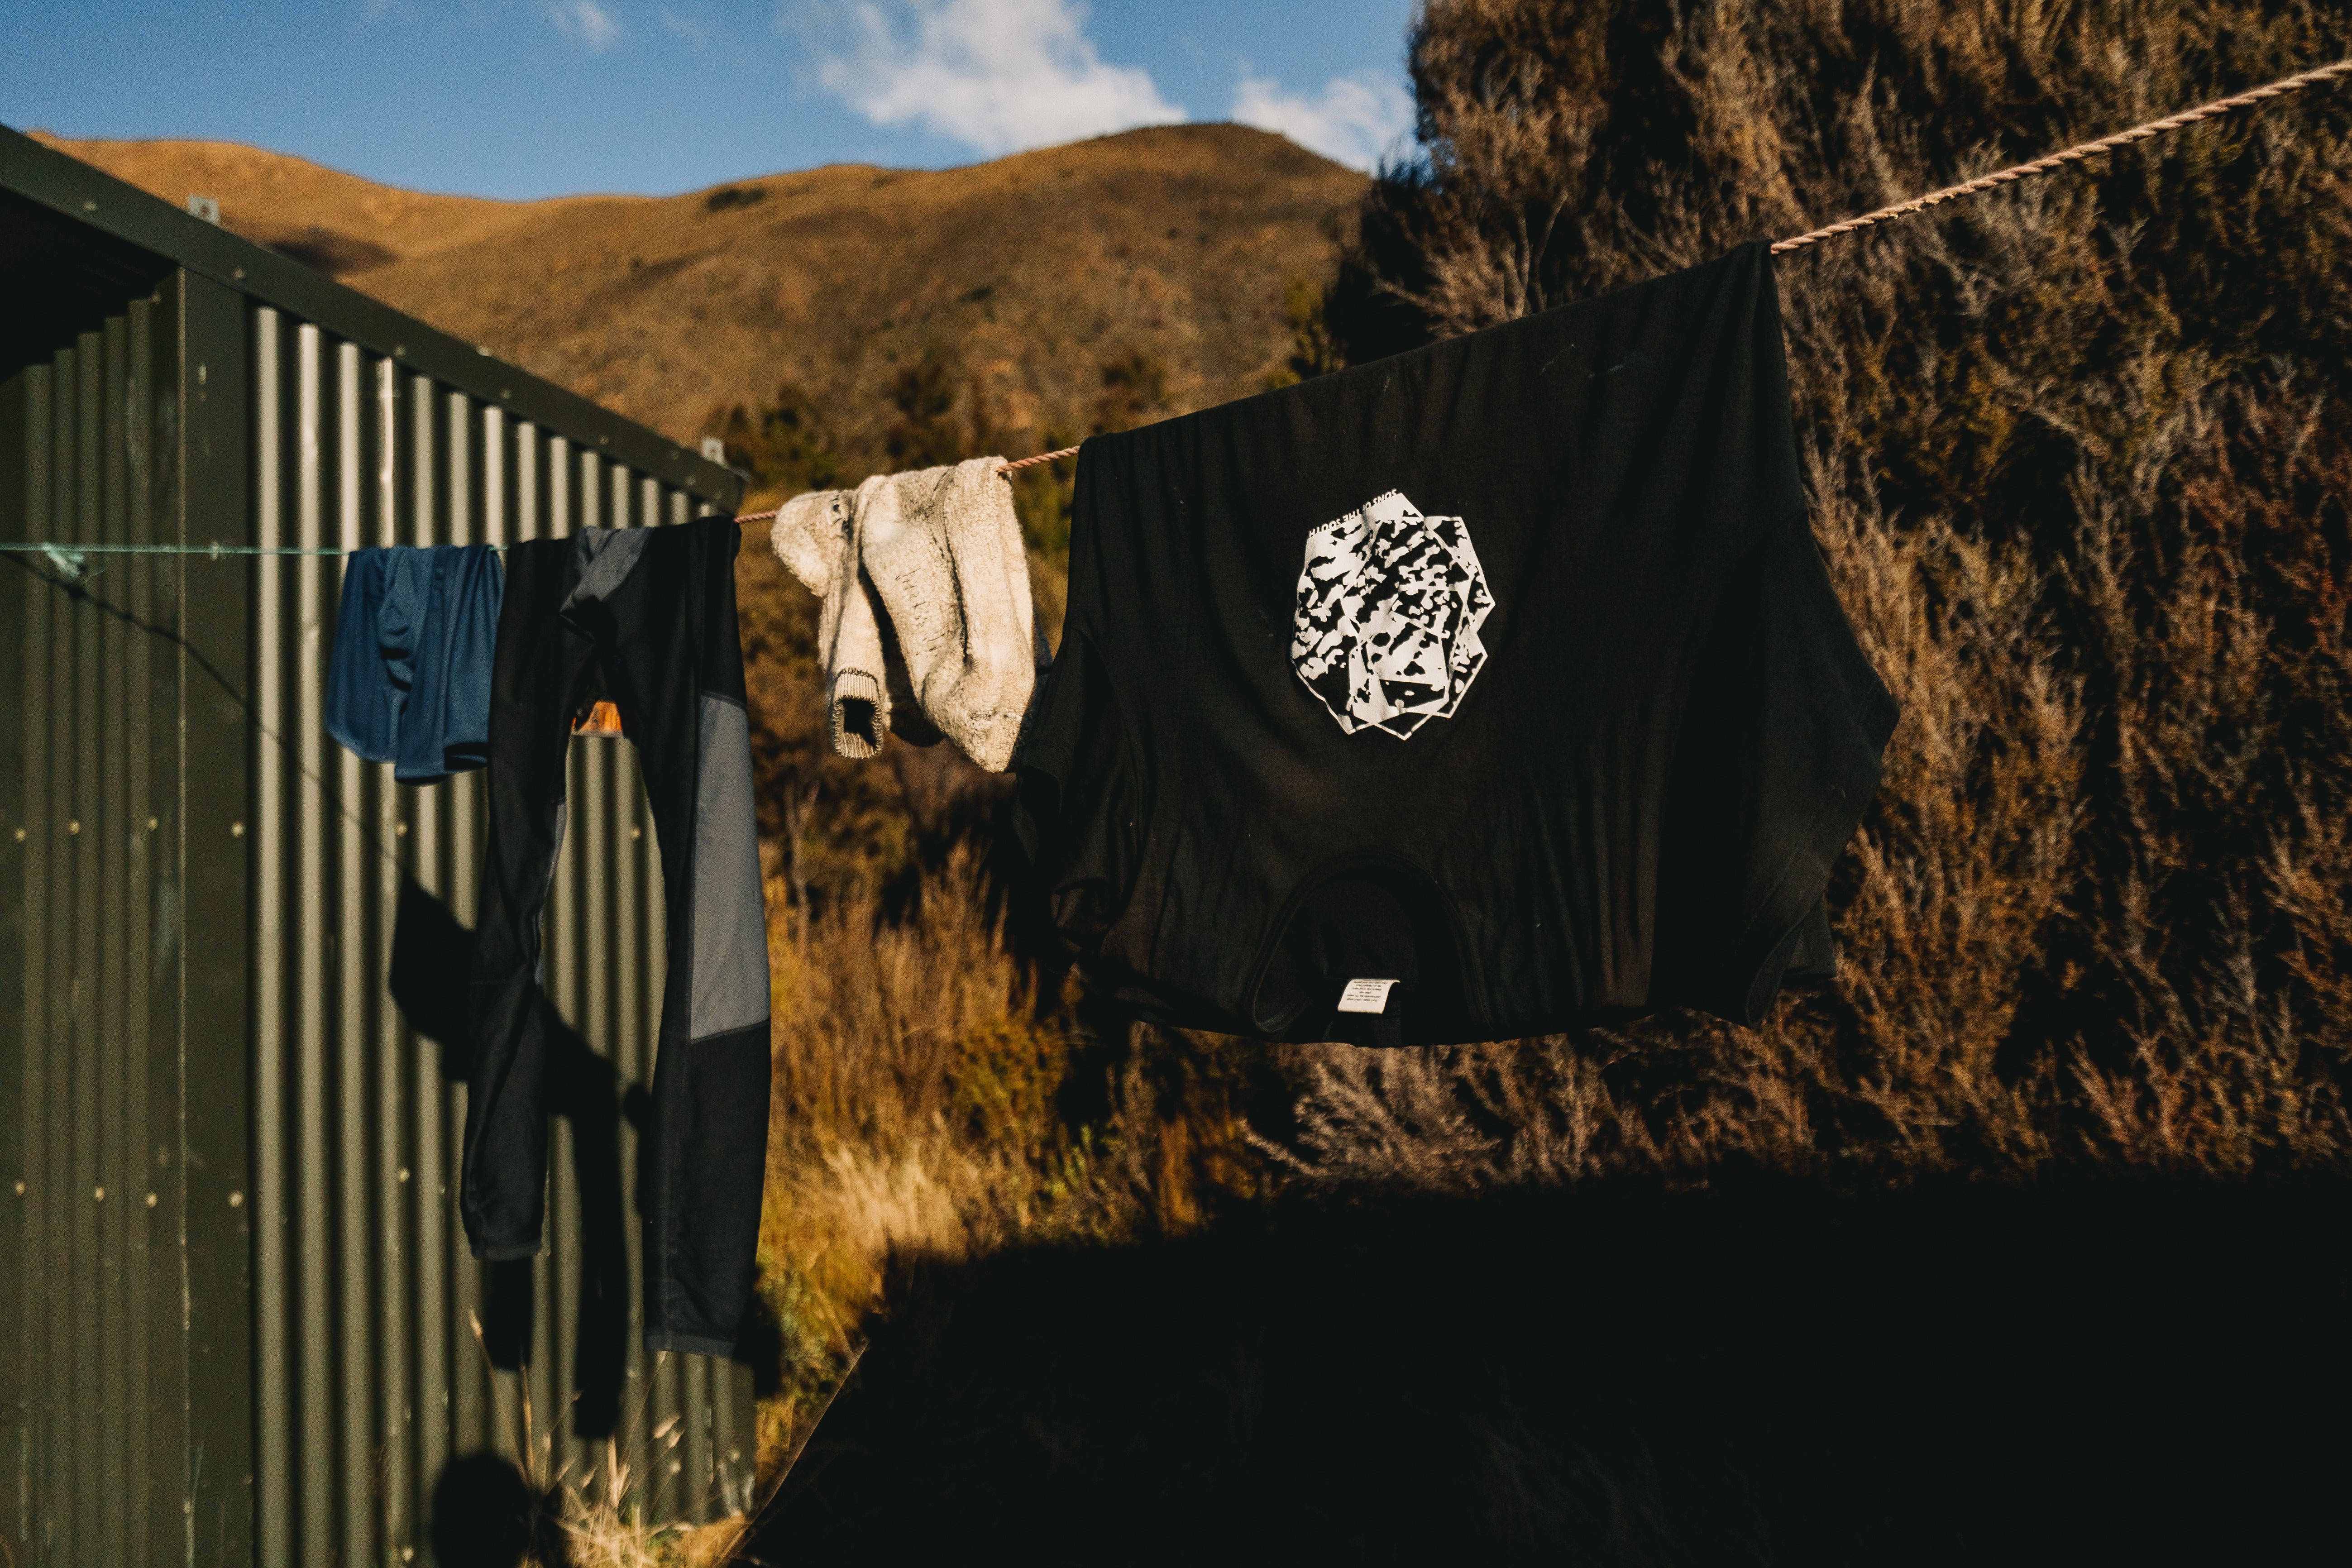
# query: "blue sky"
{"type": "Point", "coordinates": [537, 98]}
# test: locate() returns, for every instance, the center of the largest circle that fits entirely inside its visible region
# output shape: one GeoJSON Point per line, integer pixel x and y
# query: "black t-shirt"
{"type": "Point", "coordinates": [1505, 669]}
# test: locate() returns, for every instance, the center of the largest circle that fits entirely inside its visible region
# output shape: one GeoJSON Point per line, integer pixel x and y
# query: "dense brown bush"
{"type": "Point", "coordinates": [2078, 459]}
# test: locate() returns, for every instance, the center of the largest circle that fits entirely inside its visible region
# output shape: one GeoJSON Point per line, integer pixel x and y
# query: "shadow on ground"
{"type": "Point", "coordinates": [1759, 1375]}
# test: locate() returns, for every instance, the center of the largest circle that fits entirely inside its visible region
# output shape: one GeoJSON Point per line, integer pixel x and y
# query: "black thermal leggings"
{"type": "Point", "coordinates": [645, 618]}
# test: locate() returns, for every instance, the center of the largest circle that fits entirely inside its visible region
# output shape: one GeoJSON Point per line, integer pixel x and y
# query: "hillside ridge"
{"type": "Point", "coordinates": [1016, 281]}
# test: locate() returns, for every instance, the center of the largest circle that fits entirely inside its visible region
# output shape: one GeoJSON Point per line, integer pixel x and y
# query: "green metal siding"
{"type": "Point", "coordinates": [126, 1404]}
{"type": "Point", "coordinates": [352, 449]}
{"type": "Point", "coordinates": [241, 1320]}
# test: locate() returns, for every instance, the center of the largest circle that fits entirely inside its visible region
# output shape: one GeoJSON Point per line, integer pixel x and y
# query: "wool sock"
{"type": "Point", "coordinates": [816, 536]}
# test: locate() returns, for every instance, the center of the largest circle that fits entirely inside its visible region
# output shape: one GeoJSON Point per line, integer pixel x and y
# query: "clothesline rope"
{"type": "Point", "coordinates": [2009, 175]}
{"type": "Point", "coordinates": [748, 518]}
{"type": "Point", "coordinates": [1950, 193]}
{"type": "Point", "coordinates": [1040, 457]}
{"type": "Point", "coordinates": [2278, 88]}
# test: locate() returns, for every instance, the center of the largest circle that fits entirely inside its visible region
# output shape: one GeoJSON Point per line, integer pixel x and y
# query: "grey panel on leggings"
{"type": "Point", "coordinates": [731, 935]}
{"type": "Point", "coordinates": [607, 557]}
{"type": "Point", "coordinates": [563, 820]}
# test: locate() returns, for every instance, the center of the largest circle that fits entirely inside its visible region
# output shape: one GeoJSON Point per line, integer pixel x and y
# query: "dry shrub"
{"type": "Point", "coordinates": [2077, 459]}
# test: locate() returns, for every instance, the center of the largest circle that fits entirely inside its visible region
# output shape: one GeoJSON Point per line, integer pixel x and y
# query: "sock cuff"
{"type": "Point", "coordinates": [860, 713]}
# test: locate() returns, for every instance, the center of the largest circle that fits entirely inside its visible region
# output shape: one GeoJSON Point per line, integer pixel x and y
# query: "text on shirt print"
{"type": "Point", "coordinates": [1390, 603]}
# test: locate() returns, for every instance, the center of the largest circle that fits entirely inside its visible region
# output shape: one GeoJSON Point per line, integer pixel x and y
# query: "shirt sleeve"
{"type": "Point", "coordinates": [1825, 721]}
{"type": "Point", "coordinates": [1779, 757]}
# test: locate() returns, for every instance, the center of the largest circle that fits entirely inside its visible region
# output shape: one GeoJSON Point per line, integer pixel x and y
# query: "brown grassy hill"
{"type": "Point", "coordinates": [1027, 274]}
{"type": "Point", "coordinates": [339, 223]}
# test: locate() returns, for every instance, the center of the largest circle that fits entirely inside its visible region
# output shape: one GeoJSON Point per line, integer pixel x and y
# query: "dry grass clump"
{"type": "Point", "coordinates": [594, 1533]}
{"type": "Point", "coordinates": [2078, 463]}
{"type": "Point", "coordinates": [564, 1518]}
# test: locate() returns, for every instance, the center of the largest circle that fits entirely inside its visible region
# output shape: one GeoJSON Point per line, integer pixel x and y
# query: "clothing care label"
{"type": "Point", "coordinates": [1365, 996]}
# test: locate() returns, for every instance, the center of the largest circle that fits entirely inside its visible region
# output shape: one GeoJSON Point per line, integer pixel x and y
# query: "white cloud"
{"type": "Point", "coordinates": [587, 21]}
{"type": "Point", "coordinates": [687, 27]}
{"type": "Point", "coordinates": [996, 75]}
{"type": "Point", "coordinates": [1355, 120]}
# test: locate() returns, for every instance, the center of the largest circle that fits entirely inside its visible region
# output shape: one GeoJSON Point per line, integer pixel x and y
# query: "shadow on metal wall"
{"type": "Point", "coordinates": [484, 1511]}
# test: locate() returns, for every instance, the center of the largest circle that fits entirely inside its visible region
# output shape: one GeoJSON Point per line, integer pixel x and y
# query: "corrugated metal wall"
{"type": "Point", "coordinates": [368, 1370]}
{"type": "Point", "coordinates": [125, 1382]}
{"type": "Point", "coordinates": [366, 1298]}
{"type": "Point", "coordinates": [84, 908]}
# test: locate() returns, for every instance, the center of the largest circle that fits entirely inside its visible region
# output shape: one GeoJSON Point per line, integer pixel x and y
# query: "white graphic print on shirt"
{"type": "Point", "coordinates": [1390, 603]}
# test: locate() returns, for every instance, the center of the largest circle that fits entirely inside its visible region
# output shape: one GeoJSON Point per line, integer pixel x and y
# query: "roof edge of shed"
{"type": "Point", "coordinates": [77, 191]}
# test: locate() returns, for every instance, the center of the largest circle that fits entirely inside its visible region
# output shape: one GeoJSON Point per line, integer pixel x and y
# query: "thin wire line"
{"type": "Point", "coordinates": [67, 547]}
{"type": "Point", "coordinates": [79, 591]}
{"type": "Point", "coordinates": [2071, 155]}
